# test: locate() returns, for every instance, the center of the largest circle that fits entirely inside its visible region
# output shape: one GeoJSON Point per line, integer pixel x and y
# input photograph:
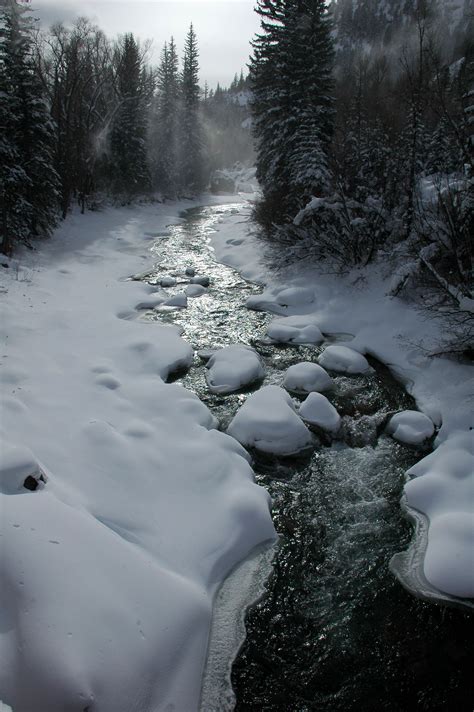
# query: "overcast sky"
{"type": "Point", "coordinates": [224, 27]}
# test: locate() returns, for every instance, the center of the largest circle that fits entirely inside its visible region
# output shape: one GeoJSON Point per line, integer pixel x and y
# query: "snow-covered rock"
{"type": "Point", "coordinates": [17, 464]}
{"type": "Point", "coordinates": [268, 422]}
{"type": "Point", "coordinates": [317, 410]}
{"type": "Point", "coordinates": [295, 330]}
{"type": "Point", "coordinates": [295, 296]}
{"type": "Point", "coordinates": [190, 272]}
{"type": "Point", "coordinates": [153, 300]}
{"type": "Point", "coordinates": [342, 359]}
{"type": "Point", "coordinates": [441, 486]}
{"type": "Point", "coordinates": [306, 377]}
{"type": "Point", "coordinates": [177, 300]}
{"type": "Point", "coordinates": [410, 427]}
{"type": "Point", "coordinates": [167, 281]}
{"type": "Point", "coordinates": [195, 290]}
{"type": "Point", "coordinates": [232, 368]}
{"type": "Point", "coordinates": [201, 279]}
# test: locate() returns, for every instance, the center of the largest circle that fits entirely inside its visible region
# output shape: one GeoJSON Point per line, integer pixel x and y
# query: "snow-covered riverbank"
{"type": "Point", "coordinates": [442, 486]}
{"type": "Point", "coordinates": [109, 568]}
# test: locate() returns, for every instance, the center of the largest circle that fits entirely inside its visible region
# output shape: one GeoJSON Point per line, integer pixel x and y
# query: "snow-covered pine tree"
{"type": "Point", "coordinates": [292, 105]}
{"type": "Point", "coordinates": [165, 138]}
{"type": "Point", "coordinates": [29, 183]}
{"type": "Point", "coordinates": [192, 169]}
{"type": "Point", "coordinates": [128, 136]}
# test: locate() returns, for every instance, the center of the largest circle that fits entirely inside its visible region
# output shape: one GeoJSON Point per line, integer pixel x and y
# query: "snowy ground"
{"type": "Point", "coordinates": [357, 306]}
{"type": "Point", "coordinates": [141, 507]}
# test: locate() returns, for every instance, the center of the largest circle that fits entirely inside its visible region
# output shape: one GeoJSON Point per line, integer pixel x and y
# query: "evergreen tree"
{"type": "Point", "coordinates": [292, 106]}
{"type": "Point", "coordinates": [29, 183]}
{"type": "Point", "coordinates": [191, 145]}
{"type": "Point", "coordinates": [128, 136]}
{"type": "Point", "coordinates": [166, 131]}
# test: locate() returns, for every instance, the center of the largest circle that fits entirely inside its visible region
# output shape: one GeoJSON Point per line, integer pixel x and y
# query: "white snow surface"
{"type": "Point", "coordinates": [232, 368]}
{"type": "Point", "coordinates": [411, 427]}
{"type": "Point", "coordinates": [295, 330]}
{"type": "Point", "coordinates": [392, 330]}
{"type": "Point", "coordinates": [306, 377]}
{"type": "Point", "coordinates": [442, 487]}
{"type": "Point", "coordinates": [318, 410]}
{"type": "Point", "coordinates": [268, 422]}
{"type": "Point", "coordinates": [109, 569]}
{"type": "Point", "coordinates": [343, 359]}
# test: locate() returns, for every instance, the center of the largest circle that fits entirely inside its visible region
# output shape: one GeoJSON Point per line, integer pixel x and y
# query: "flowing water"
{"type": "Point", "coordinates": [333, 630]}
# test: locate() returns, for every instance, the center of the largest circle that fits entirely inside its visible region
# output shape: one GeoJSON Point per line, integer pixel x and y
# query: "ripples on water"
{"type": "Point", "coordinates": [334, 631]}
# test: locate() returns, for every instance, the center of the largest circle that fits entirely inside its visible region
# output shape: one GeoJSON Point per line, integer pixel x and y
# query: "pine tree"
{"type": "Point", "coordinates": [292, 106]}
{"type": "Point", "coordinates": [128, 136]}
{"type": "Point", "coordinates": [166, 131]}
{"type": "Point", "coordinates": [191, 149]}
{"type": "Point", "coordinates": [29, 183]}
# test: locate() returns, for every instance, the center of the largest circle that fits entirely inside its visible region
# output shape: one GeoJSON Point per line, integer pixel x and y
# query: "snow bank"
{"type": "Point", "coordinates": [306, 377]}
{"type": "Point", "coordinates": [268, 421]}
{"type": "Point", "coordinates": [295, 330]}
{"type": "Point", "coordinates": [411, 427]}
{"type": "Point", "coordinates": [233, 368]}
{"type": "Point", "coordinates": [442, 487]}
{"type": "Point", "coordinates": [344, 360]}
{"type": "Point", "coordinates": [317, 410]}
{"type": "Point", "coordinates": [109, 568]}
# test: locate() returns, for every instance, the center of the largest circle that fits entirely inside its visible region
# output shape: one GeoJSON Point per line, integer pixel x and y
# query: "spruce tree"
{"type": "Point", "coordinates": [191, 147]}
{"type": "Point", "coordinates": [29, 183]}
{"type": "Point", "coordinates": [128, 136]}
{"type": "Point", "coordinates": [291, 77]}
{"type": "Point", "coordinates": [166, 129]}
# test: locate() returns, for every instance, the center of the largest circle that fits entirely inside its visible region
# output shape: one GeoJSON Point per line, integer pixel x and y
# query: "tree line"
{"type": "Point", "coordinates": [82, 117]}
{"type": "Point", "coordinates": [364, 151]}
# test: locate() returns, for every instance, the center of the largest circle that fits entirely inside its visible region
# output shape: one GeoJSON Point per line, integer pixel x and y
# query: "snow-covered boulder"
{"type": "Point", "coordinates": [153, 300]}
{"type": "Point", "coordinates": [442, 487]}
{"type": "Point", "coordinates": [177, 300]}
{"type": "Point", "coordinates": [268, 422]}
{"type": "Point", "coordinates": [195, 290]}
{"type": "Point", "coordinates": [410, 427]}
{"type": "Point", "coordinates": [295, 296]}
{"type": "Point", "coordinates": [233, 368]}
{"type": "Point", "coordinates": [306, 377]}
{"type": "Point", "coordinates": [167, 281]}
{"type": "Point", "coordinates": [295, 330]}
{"type": "Point", "coordinates": [318, 411]}
{"type": "Point", "coordinates": [201, 279]}
{"type": "Point", "coordinates": [342, 359]}
{"type": "Point", "coordinates": [17, 467]}
{"type": "Point", "coordinates": [190, 272]}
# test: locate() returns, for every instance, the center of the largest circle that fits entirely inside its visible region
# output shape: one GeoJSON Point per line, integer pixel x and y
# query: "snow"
{"type": "Point", "coordinates": [357, 305]}
{"type": "Point", "coordinates": [203, 280]}
{"type": "Point", "coordinates": [233, 368]}
{"type": "Point", "coordinates": [295, 296]}
{"type": "Point", "coordinates": [177, 300]}
{"type": "Point", "coordinates": [411, 427]}
{"type": "Point", "coordinates": [195, 290]}
{"type": "Point", "coordinates": [109, 568]}
{"type": "Point", "coordinates": [442, 487]}
{"type": "Point", "coordinates": [343, 359]}
{"type": "Point", "coordinates": [295, 330]}
{"type": "Point", "coordinates": [317, 410]}
{"type": "Point", "coordinates": [167, 281]}
{"type": "Point", "coordinates": [268, 422]}
{"type": "Point", "coordinates": [305, 377]}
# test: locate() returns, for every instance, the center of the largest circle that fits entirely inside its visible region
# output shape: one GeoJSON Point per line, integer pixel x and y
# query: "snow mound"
{"type": "Point", "coordinates": [177, 300]}
{"type": "Point", "coordinates": [342, 359]}
{"type": "Point", "coordinates": [195, 290]}
{"type": "Point", "coordinates": [201, 279]}
{"type": "Point", "coordinates": [295, 330]}
{"type": "Point", "coordinates": [190, 272]}
{"type": "Point", "coordinates": [411, 427]}
{"type": "Point", "coordinates": [153, 300]}
{"type": "Point", "coordinates": [167, 281]}
{"type": "Point", "coordinates": [233, 368]}
{"type": "Point", "coordinates": [317, 410]}
{"type": "Point", "coordinates": [268, 421]}
{"type": "Point", "coordinates": [295, 296]}
{"type": "Point", "coordinates": [442, 487]}
{"type": "Point", "coordinates": [306, 377]}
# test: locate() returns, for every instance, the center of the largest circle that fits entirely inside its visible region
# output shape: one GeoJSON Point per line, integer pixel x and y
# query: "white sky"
{"type": "Point", "coordinates": [224, 28]}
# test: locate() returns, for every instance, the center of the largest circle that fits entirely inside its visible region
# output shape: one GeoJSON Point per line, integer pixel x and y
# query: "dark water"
{"type": "Point", "coordinates": [335, 631]}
